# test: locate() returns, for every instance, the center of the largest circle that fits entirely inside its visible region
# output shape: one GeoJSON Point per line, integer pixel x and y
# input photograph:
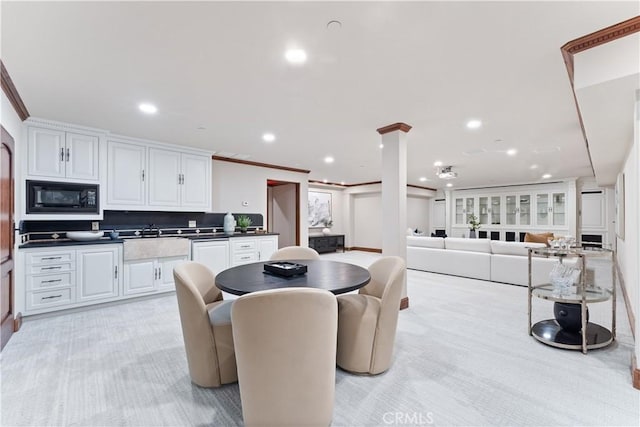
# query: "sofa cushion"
{"type": "Point", "coordinates": [538, 238]}
{"type": "Point", "coordinates": [426, 242]}
{"type": "Point", "coordinates": [471, 245]}
{"type": "Point", "coordinates": [513, 248]}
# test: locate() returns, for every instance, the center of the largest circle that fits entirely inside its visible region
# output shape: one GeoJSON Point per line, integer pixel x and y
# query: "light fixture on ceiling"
{"type": "Point", "coordinates": [296, 56]}
{"type": "Point", "coordinates": [268, 137]}
{"type": "Point", "coordinates": [381, 145]}
{"type": "Point", "coordinates": [325, 180]}
{"type": "Point", "coordinates": [546, 176]}
{"type": "Point", "coordinates": [437, 164]}
{"type": "Point", "coordinates": [474, 124]}
{"type": "Point", "coordinates": [341, 182]}
{"type": "Point", "coordinates": [446, 172]}
{"type": "Point", "coordinates": [329, 159]}
{"type": "Point", "coordinates": [532, 167]}
{"type": "Point", "coordinates": [423, 178]}
{"type": "Point", "coordinates": [512, 152]}
{"type": "Point", "coordinates": [147, 108]}
{"type": "Point", "coordinates": [449, 184]}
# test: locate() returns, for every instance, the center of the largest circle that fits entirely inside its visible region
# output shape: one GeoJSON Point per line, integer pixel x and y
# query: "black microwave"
{"type": "Point", "coordinates": [46, 197]}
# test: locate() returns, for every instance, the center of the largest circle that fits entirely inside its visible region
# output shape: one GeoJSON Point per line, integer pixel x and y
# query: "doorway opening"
{"type": "Point", "coordinates": [283, 211]}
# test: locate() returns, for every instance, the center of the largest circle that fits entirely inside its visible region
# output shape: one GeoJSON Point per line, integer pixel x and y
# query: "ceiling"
{"type": "Point", "coordinates": [217, 73]}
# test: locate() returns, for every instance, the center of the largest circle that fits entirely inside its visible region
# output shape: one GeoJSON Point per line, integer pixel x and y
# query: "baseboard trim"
{"type": "Point", "coordinates": [404, 303]}
{"type": "Point", "coordinates": [635, 372]}
{"type": "Point", "coordinates": [17, 322]}
{"type": "Point", "coordinates": [627, 302]}
{"type": "Point", "coordinates": [359, 248]}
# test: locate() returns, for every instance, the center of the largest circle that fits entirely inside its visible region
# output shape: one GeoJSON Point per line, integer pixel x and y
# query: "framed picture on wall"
{"type": "Point", "coordinates": [319, 209]}
{"type": "Point", "coordinates": [620, 206]}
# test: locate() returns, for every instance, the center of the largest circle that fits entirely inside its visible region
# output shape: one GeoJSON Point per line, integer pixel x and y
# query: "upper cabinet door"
{"type": "Point", "coordinates": [196, 181]}
{"type": "Point", "coordinates": [46, 153]}
{"type": "Point", "coordinates": [126, 174]}
{"type": "Point", "coordinates": [81, 157]}
{"type": "Point", "coordinates": [164, 177]}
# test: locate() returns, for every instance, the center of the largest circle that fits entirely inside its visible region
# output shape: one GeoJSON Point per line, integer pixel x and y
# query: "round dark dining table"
{"type": "Point", "coordinates": [336, 277]}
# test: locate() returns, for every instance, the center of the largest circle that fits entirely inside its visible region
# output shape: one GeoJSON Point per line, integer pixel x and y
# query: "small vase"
{"type": "Point", "coordinates": [472, 234]}
{"type": "Point", "coordinates": [326, 231]}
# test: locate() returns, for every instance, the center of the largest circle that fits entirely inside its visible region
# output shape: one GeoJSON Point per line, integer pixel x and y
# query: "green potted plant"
{"type": "Point", "coordinates": [243, 222]}
{"type": "Point", "coordinates": [474, 224]}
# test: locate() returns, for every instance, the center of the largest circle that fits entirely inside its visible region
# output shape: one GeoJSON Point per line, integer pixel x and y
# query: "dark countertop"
{"type": "Point", "coordinates": [106, 240]}
{"type": "Point", "coordinates": [60, 243]}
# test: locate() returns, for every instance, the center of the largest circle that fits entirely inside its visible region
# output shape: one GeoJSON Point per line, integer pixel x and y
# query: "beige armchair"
{"type": "Point", "coordinates": [206, 326]}
{"type": "Point", "coordinates": [294, 252]}
{"type": "Point", "coordinates": [286, 353]}
{"type": "Point", "coordinates": [367, 321]}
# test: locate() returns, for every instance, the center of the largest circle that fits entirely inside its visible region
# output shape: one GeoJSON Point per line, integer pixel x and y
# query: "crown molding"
{"type": "Point", "coordinates": [12, 93]}
{"type": "Point", "coordinates": [258, 164]}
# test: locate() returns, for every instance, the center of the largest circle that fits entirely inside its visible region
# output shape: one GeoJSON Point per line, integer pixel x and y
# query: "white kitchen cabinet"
{"type": "Point", "coordinates": [517, 209]}
{"type": "Point", "coordinates": [178, 179]}
{"type": "Point", "coordinates": [164, 178]}
{"type": "Point", "coordinates": [126, 174]}
{"type": "Point", "coordinates": [267, 245]}
{"type": "Point", "coordinates": [55, 153]}
{"type": "Point", "coordinates": [71, 276]}
{"type": "Point", "coordinates": [146, 176]}
{"type": "Point", "coordinates": [150, 275]}
{"type": "Point", "coordinates": [98, 273]}
{"type": "Point", "coordinates": [214, 254]}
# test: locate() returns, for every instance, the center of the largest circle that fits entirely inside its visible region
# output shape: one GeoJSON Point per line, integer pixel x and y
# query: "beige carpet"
{"type": "Point", "coordinates": [463, 357]}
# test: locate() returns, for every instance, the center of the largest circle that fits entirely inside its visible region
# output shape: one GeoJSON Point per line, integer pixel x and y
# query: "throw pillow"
{"type": "Point", "coordinates": [538, 238]}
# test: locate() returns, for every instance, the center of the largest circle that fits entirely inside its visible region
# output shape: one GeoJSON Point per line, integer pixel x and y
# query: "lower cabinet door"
{"type": "Point", "coordinates": [98, 274]}
{"type": "Point", "coordinates": [165, 272]}
{"type": "Point", "coordinates": [214, 255]}
{"type": "Point", "coordinates": [139, 276]}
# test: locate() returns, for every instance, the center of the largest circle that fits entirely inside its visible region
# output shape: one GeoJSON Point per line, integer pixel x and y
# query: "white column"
{"type": "Point", "coordinates": [394, 193]}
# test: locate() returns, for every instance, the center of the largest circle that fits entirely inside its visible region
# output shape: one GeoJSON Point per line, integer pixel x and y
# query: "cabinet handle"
{"type": "Point", "coordinates": [155, 274]}
{"type": "Point", "coordinates": [159, 272]}
{"type": "Point", "coordinates": [52, 281]}
{"type": "Point", "coordinates": [142, 174]}
{"type": "Point", "coordinates": [52, 296]}
{"type": "Point", "coordinates": [68, 155]}
{"type": "Point", "coordinates": [52, 257]}
{"type": "Point", "coordinates": [51, 268]}
{"type": "Point", "coordinates": [245, 257]}
{"type": "Point", "coordinates": [62, 154]}
{"type": "Point", "coordinates": [115, 274]}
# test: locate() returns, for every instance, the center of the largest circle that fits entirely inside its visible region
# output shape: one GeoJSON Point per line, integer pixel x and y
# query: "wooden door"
{"type": "Point", "coordinates": [6, 239]}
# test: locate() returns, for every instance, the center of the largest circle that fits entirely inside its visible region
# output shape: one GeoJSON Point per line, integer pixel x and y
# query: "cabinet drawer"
{"type": "Point", "coordinates": [50, 268]}
{"type": "Point", "coordinates": [56, 257]}
{"type": "Point", "coordinates": [244, 258]}
{"type": "Point", "coordinates": [51, 298]}
{"type": "Point", "coordinates": [243, 245]}
{"type": "Point", "coordinates": [50, 281]}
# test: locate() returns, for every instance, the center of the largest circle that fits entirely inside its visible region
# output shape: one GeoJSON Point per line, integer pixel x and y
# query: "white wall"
{"type": "Point", "coordinates": [235, 183]}
{"type": "Point", "coordinates": [418, 214]}
{"type": "Point", "coordinates": [367, 212]}
{"type": "Point", "coordinates": [284, 214]}
{"type": "Point", "coordinates": [628, 249]}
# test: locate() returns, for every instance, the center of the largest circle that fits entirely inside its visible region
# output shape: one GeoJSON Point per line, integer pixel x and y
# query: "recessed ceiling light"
{"type": "Point", "coordinates": [325, 180]}
{"type": "Point", "coordinates": [533, 167]}
{"type": "Point", "coordinates": [438, 163]}
{"type": "Point", "coordinates": [201, 128]}
{"type": "Point", "coordinates": [423, 178]}
{"type": "Point", "coordinates": [449, 184]}
{"type": "Point", "coordinates": [268, 137]}
{"type": "Point", "coordinates": [381, 145]}
{"type": "Point", "coordinates": [546, 176]}
{"type": "Point", "coordinates": [341, 182]}
{"type": "Point", "coordinates": [512, 152]}
{"type": "Point", "coordinates": [474, 124]}
{"type": "Point", "coordinates": [145, 107]}
{"type": "Point", "coordinates": [334, 25]}
{"type": "Point", "coordinates": [296, 56]}
{"type": "Point", "coordinates": [328, 159]}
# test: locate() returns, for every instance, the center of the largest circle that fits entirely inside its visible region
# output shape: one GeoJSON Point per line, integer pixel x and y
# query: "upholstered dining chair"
{"type": "Point", "coordinates": [206, 326]}
{"type": "Point", "coordinates": [367, 320]}
{"type": "Point", "coordinates": [285, 342]}
{"type": "Point", "coordinates": [294, 252]}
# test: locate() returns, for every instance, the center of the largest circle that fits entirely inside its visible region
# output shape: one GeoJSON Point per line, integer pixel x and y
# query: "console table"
{"type": "Point", "coordinates": [323, 243]}
{"type": "Point", "coordinates": [585, 335]}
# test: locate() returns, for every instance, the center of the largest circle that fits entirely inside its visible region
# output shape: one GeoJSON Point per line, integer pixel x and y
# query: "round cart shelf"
{"type": "Point", "coordinates": [550, 333]}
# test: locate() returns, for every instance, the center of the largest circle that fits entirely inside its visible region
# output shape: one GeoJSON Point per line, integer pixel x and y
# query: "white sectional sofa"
{"type": "Point", "coordinates": [483, 259]}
